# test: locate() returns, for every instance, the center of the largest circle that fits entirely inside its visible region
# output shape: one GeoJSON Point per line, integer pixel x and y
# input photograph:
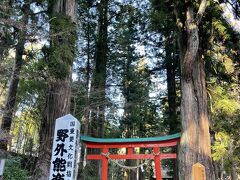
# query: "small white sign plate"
{"type": "Point", "coordinates": [66, 147]}
{"type": "Point", "coordinates": [2, 163]}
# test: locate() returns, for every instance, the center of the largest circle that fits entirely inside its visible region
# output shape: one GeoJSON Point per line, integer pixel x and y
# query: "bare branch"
{"type": "Point", "coordinates": [201, 11]}
{"type": "Point", "coordinates": [179, 23]}
{"type": "Point", "coordinates": [40, 12]}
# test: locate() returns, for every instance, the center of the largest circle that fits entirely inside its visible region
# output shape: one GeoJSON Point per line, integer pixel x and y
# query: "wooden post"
{"type": "Point", "coordinates": [130, 150]}
{"type": "Point", "coordinates": [198, 172]}
{"type": "Point", "coordinates": [157, 163]}
{"type": "Point", "coordinates": [105, 164]}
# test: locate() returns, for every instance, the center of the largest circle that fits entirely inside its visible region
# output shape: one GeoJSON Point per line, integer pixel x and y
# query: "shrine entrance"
{"type": "Point", "coordinates": [153, 143]}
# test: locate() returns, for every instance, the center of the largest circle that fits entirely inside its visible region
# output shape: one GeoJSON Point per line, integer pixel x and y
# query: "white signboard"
{"type": "Point", "coordinates": [2, 162]}
{"type": "Point", "coordinates": [66, 148]}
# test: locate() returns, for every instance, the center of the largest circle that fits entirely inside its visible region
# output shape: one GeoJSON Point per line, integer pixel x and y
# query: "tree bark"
{"type": "Point", "coordinates": [87, 110]}
{"type": "Point", "coordinates": [98, 100]}
{"type": "Point", "coordinates": [2, 45]}
{"type": "Point", "coordinates": [195, 141]}
{"type": "Point", "coordinates": [60, 61]}
{"type": "Point", "coordinates": [57, 104]}
{"type": "Point", "coordinates": [171, 88]}
{"type": "Point", "coordinates": [128, 108]}
{"type": "Point", "coordinates": [13, 87]}
{"type": "Point", "coordinates": [95, 121]}
{"type": "Point", "coordinates": [12, 92]}
{"type": "Point", "coordinates": [172, 120]}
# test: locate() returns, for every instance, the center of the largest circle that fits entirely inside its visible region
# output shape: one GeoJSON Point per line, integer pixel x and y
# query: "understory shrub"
{"type": "Point", "coordinates": [13, 169]}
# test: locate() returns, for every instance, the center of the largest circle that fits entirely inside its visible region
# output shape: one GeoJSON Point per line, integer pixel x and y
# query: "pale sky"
{"type": "Point", "coordinates": [229, 16]}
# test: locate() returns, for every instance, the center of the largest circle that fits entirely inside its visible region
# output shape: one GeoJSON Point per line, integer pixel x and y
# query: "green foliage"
{"type": "Point", "coordinates": [223, 101]}
{"type": "Point", "coordinates": [226, 105]}
{"type": "Point", "coordinates": [221, 29]}
{"type": "Point", "coordinates": [140, 117]}
{"type": "Point", "coordinates": [162, 18]}
{"type": "Point", "coordinates": [25, 131]}
{"type": "Point", "coordinates": [129, 80]}
{"type": "Point", "coordinates": [225, 108]}
{"type": "Point", "coordinates": [220, 147]}
{"type": "Point", "coordinates": [225, 152]}
{"type": "Point", "coordinates": [61, 53]}
{"type": "Point", "coordinates": [13, 169]}
{"type": "Point", "coordinates": [88, 174]}
{"type": "Point", "coordinates": [223, 90]}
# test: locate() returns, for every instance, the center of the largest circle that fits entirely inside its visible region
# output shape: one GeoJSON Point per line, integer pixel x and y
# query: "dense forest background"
{"type": "Point", "coordinates": [123, 68]}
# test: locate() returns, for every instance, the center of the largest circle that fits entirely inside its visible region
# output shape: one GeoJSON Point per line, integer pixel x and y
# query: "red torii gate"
{"type": "Point", "coordinates": [130, 143]}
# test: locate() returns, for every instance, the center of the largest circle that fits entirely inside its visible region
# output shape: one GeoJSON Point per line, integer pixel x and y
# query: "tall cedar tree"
{"type": "Point", "coordinates": [195, 142]}
{"type": "Point", "coordinates": [98, 100]}
{"type": "Point", "coordinates": [97, 93]}
{"type": "Point", "coordinates": [13, 86]}
{"type": "Point", "coordinates": [60, 56]}
{"type": "Point", "coordinates": [168, 31]}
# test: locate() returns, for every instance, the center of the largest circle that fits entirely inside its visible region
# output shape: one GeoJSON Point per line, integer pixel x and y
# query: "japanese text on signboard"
{"type": "Point", "coordinates": [65, 150]}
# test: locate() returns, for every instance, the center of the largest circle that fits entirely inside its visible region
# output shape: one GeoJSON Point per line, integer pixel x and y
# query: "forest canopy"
{"type": "Point", "coordinates": [124, 69]}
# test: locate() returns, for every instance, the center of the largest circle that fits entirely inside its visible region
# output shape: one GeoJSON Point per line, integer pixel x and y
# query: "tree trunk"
{"type": "Point", "coordinates": [2, 45]}
{"type": "Point", "coordinates": [12, 92]}
{"type": "Point", "coordinates": [60, 61]}
{"type": "Point", "coordinates": [171, 88]}
{"type": "Point", "coordinates": [234, 174]}
{"type": "Point", "coordinates": [128, 108]}
{"type": "Point", "coordinates": [57, 105]}
{"type": "Point", "coordinates": [98, 100]}
{"type": "Point", "coordinates": [87, 110]}
{"type": "Point", "coordinates": [97, 94]}
{"type": "Point", "coordinates": [13, 87]}
{"type": "Point", "coordinates": [172, 120]}
{"type": "Point", "coordinates": [195, 141]}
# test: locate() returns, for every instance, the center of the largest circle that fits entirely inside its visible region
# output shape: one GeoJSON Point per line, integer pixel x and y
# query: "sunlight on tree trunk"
{"type": "Point", "coordinates": [195, 141]}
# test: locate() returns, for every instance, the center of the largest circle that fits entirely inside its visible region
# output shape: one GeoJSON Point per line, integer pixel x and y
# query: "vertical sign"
{"type": "Point", "coordinates": [198, 172]}
{"type": "Point", "coordinates": [66, 148]}
{"type": "Point", "coordinates": [2, 163]}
